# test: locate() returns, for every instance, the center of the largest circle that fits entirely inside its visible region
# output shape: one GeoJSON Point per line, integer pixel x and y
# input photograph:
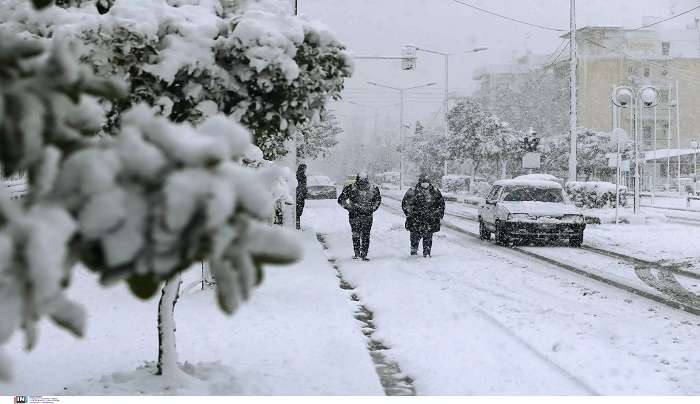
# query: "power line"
{"type": "Point", "coordinates": [509, 18]}
{"type": "Point", "coordinates": [666, 19]}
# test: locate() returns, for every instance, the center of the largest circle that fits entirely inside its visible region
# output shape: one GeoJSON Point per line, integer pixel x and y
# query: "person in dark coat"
{"type": "Point", "coordinates": [301, 192]}
{"type": "Point", "coordinates": [424, 207]}
{"type": "Point", "coordinates": [361, 199]}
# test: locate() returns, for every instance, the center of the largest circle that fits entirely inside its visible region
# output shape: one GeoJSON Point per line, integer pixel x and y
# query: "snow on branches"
{"type": "Point", "coordinates": [139, 206]}
{"type": "Point", "coordinates": [160, 196]}
{"type": "Point", "coordinates": [270, 70]}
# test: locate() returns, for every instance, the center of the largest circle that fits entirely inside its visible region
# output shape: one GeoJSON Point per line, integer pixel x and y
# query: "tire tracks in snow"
{"type": "Point", "coordinates": [496, 323]}
{"type": "Point", "coordinates": [672, 292]}
{"type": "Point", "coordinates": [394, 382]}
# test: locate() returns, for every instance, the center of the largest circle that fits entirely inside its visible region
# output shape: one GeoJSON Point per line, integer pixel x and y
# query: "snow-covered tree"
{"type": "Point", "coordinates": [537, 98]}
{"type": "Point", "coordinates": [480, 137]}
{"type": "Point", "coordinates": [271, 71]}
{"type": "Point", "coordinates": [317, 140]}
{"type": "Point", "coordinates": [427, 149]}
{"type": "Point", "coordinates": [147, 203]}
{"type": "Point", "coordinates": [592, 148]}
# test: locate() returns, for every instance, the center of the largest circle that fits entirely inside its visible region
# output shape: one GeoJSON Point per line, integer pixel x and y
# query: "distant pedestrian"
{"type": "Point", "coordinates": [424, 208]}
{"type": "Point", "coordinates": [361, 199]}
{"type": "Point", "coordinates": [301, 192]}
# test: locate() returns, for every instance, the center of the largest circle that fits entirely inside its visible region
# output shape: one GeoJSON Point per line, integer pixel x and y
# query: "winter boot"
{"type": "Point", "coordinates": [414, 251]}
{"type": "Point", "coordinates": [364, 258]}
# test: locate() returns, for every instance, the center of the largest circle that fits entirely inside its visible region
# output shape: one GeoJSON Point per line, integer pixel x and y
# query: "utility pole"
{"type": "Point", "coordinates": [401, 145]}
{"type": "Point", "coordinates": [446, 65]}
{"type": "Point", "coordinates": [572, 92]}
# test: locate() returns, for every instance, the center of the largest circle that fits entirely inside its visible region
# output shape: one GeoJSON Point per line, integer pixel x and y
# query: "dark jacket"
{"type": "Point", "coordinates": [424, 208]}
{"type": "Point", "coordinates": [360, 201]}
{"type": "Point", "coordinates": [301, 185]}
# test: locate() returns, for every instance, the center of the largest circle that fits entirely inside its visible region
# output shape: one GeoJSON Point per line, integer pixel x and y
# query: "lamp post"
{"type": "Point", "coordinates": [401, 126]}
{"type": "Point", "coordinates": [636, 99]}
{"type": "Point", "coordinates": [446, 64]}
{"type": "Point", "coordinates": [695, 145]}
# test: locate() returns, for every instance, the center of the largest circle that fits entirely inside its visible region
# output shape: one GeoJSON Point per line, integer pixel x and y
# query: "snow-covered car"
{"type": "Point", "coordinates": [320, 187]}
{"type": "Point", "coordinates": [525, 209]}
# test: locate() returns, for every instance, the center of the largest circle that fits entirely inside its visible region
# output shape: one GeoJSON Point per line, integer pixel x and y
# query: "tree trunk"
{"type": "Point", "coordinates": [472, 184]}
{"type": "Point", "coordinates": [504, 168]}
{"type": "Point", "coordinates": [167, 351]}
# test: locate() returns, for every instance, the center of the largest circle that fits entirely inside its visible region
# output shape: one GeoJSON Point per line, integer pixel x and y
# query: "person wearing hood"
{"type": "Point", "coordinates": [424, 207]}
{"type": "Point", "coordinates": [301, 192]}
{"type": "Point", "coordinates": [361, 199]}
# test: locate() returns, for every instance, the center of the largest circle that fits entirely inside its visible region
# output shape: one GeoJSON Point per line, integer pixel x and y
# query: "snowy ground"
{"type": "Point", "coordinates": [474, 319]}
{"type": "Point", "coordinates": [477, 319]}
{"type": "Point", "coordinates": [297, 335]}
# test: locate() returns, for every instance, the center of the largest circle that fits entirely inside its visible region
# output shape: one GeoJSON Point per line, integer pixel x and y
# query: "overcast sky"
{"type": "Point", "coordinates": [382, 27]}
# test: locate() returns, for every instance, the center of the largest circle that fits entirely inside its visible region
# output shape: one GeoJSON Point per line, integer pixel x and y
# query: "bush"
{"type": "Point", "coordinates": [594, 194]}
{"type": "Point", "coordinates": [455, 183]}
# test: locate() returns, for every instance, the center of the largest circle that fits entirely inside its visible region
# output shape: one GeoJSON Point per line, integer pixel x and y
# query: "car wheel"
{"type": "Point", "coordinates": [576, 241]}
{"type": "Point", "coordinates": [502, 237]}
{"type": "Point", "coordinates": [484, 234]}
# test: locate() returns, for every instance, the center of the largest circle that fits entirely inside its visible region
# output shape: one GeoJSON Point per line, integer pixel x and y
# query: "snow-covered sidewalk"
{"type": "Point", "coordinates": [478, 319]}
{"type": "Point", "coordinates": [296, 336]}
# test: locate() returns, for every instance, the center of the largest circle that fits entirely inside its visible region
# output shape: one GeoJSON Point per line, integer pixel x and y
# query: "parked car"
{"type": "Point", "coordinates": [524, 209]}
{"type": "Point", "coordinates": [320, 187]}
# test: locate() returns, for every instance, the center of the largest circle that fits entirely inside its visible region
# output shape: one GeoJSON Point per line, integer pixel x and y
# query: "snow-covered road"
{"type": "Point", "coordinates": [476, 319]}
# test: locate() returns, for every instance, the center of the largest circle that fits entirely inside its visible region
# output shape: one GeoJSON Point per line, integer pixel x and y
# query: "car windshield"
{"type": "Point", "coordinates": [319, 180]}
{"type": "Point", "coordinates": [522, 194]}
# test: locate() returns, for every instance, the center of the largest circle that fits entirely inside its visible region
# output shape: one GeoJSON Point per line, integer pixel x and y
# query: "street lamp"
{"type": "Point", "coordinates": [446, 57]}
{"type": "Point", "coordinates": [401, 126]}
{"type": "Point", "coordinates": [626, 97]}
{"type": "Point", "coordinates": [446, 63]}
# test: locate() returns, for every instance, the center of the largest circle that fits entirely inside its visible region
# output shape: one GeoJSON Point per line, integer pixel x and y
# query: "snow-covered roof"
{"type": "Point", "coordinates": [319, 180]}
{"type": "Point", "coordinates": [651, 155]}
{"type": "Point", "coordinates": [544, 177]}
{"type": "Point", "coordinates": [528, 183]}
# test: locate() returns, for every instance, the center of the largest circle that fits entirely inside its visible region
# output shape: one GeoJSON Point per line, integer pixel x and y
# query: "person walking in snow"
{"type": "Point", "coordinates": [361, 199]}
{"type": "Point", "coordinates": [301, 192]}
{"type": "Point", "coordinates": [424, 207]}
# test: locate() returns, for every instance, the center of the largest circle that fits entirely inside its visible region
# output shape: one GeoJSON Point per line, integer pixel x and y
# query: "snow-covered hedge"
{"type": "Point", "coordinates": [594, 194]}
{"type": "Point", "coordinates": [455, 183]}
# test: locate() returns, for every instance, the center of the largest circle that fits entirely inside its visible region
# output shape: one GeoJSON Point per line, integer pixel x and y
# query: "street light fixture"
{"type": "Point", "coordinates": [446, 63]}
{"type": "Point", "coordinates": [401, 125]}
{"type": "Point", "coordinates": [627, 97]}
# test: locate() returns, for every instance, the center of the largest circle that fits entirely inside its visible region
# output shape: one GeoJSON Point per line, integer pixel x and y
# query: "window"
{"type": "Point", "coordinates": [493, 195]}
{"type": "Point", "coordinates": [647, 71]}
{"type": "Point", "coordinates": [647, 132]}
{"type": "Point", "coordinates": [522, 194]}
{"type": "Point", "coordinates": [663, 95]}
{"type": "Point", "coordinates": [665, 48]}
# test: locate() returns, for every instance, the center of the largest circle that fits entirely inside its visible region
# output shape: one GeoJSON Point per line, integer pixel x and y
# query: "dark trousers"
{"type": "Point", "coordinates": [361, 227]}
{"type": "Point", "coordinates": [427, 241]}
{"type": "Point", "coordinates": [300, 209]}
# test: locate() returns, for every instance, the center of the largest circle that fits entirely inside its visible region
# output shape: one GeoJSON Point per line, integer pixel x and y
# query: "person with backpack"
{"type": "Point", "coordinates": [361, 199]}
{"type": "Point", "coordinates": [424, 207]}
